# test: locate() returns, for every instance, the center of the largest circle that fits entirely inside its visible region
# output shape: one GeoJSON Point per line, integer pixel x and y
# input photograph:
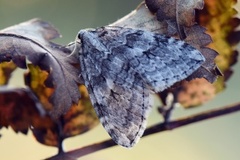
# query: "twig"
{"type": "Point", "coordinates": [72, 155]}
{"type": "Point", "coordinates": [167, 109]}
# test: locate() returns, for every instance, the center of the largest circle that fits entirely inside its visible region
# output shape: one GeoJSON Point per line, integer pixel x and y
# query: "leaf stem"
{"type": "Point", "coordinates": [160, 127]}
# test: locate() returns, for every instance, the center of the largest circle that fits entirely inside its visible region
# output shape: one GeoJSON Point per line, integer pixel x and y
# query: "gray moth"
{"type": "Point", "coordinates": [121, 67]}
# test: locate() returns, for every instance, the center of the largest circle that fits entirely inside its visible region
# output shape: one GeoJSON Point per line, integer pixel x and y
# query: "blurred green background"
{"type": "Point", "coordinates": [216, 139]}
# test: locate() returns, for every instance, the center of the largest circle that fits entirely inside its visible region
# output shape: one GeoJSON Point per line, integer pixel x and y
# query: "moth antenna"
{"type": "Point", "coordinates": [76, 49]}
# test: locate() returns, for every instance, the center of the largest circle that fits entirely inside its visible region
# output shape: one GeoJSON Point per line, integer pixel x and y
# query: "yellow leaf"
{"type": "Point", "coordinates": [78, 119]}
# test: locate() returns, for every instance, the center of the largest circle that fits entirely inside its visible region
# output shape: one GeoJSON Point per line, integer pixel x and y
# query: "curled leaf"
{"type": "Point", "coordinates": [195, 34]}
{"type": "Point", "coordinates": [176, 13]}
{"type": "Point", "coordinates": [16, 113]}
{"type": "Point", "coordinates": [197, 37]}
{"type": "Point", "coordinates": [78, 119]}
{"type": "Point", "coordinates": [141, 18]}
{"type": "Point", "coordinates": [30, 41]}
{"type": "Point", "coordinates": [218, 17]}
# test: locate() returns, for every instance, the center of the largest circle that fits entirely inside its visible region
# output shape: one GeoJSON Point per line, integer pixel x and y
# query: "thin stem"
{"type": "Point", "coordinates": [192, 119]}
{"type": "Point", "coordinates": [160, 127]}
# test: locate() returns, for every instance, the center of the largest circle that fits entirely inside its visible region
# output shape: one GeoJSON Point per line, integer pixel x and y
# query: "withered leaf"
{"type": "Point", "coordinates": [6, 70]}
{"type": "Point", "coordinates": [196, 36]}
{"type": "Point", "coordinates": [217, 16]}
{"type": "Point", "coordinates": [141, 18]}
{"type": "Point", "coordinates": [78, 119]}
{"type": "Point", "coordinates": [34, 79]}
{"type": "Point", "coordinates": [195, 92]}
{"type": "Point", "coordinates": [31, 41]}
{"type": "Point", "coordinates": [176, 13]}
{"type": "Point", "coordinates": [19, 109]}
{"type": "Point", "coordinates": [181, 11]}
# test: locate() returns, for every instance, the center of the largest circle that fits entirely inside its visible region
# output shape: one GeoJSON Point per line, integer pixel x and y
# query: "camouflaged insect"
{"type": "Point", "coordinates": [121, 67]}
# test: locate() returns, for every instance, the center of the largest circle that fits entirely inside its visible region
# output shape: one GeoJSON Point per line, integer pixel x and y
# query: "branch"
{"type": "Point", "coordinates": [160, 127]}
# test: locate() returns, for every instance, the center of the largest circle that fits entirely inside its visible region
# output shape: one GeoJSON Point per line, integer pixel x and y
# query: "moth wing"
{"type": "Point", "coordinates": [120, 65]}
{"type": "Point", "coordinates": [118, 95]}
{"type": "Point", "coordinates": [160, 61]}
{"type": "Point", "coordinates": [121, 110]}
{"type": "Point", "coordinates": [166, 61]}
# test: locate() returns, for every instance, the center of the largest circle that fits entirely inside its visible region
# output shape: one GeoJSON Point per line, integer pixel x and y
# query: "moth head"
{"type": "Point", "coordinates": [88, 36]}
{"type": "Point", "coordinates": [85, 33]}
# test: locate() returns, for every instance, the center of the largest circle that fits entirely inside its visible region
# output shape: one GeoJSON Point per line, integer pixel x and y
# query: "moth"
{"type": "Point", "coordinates": [121, 67]}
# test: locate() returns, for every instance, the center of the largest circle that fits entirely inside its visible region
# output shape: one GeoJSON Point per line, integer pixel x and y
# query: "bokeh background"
{"type": "Point", "coordinates": [216, 139]}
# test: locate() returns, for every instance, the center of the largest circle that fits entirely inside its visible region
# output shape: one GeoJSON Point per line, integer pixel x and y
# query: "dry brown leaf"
{"type": "Point", "coordinates": [77, 120]}
{"type": "Point", "coordinates": [176, 13]}
{"type": "Point", "coordinates": [196, 36]}
{"type": "Point", "coordinates": [31, 41]}
{"type": "Point", "coordinates": [141, 18]}
{"type": "Point", "coordinates": [217, 16]}
{"type": "Point", "coordinates": [181, 11]}
{"type": "Point", "coordinates": [80, 118]}
{"type": "Point", "coordinates": [195, 92]}
{"type": "Point", "coordinates": [16, 113]}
